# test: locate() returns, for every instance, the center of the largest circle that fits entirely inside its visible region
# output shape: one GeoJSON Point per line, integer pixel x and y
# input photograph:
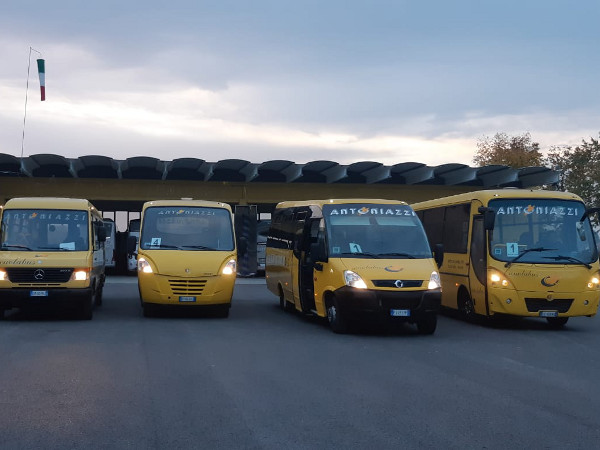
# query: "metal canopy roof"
{"type": "Point", "coordinates": [276, 171]}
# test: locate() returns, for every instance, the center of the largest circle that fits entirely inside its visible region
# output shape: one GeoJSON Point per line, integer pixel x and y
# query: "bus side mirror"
{"type": "Point", "coordinates": [317, 250]}
{"type": "Point", "coordinates": [131, 244]}
{"type": "Point", "coordinates": [588, 212]}
{"type": "Point", "coordinates": [438, 254]}
{"type": "Point", "coordinates": [101, 233]}
{"type": "Point", "coordinates": [489, 217]}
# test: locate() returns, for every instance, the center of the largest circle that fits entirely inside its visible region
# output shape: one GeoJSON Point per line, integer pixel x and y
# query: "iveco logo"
{"type": "Point", "coordinates": [38, 274]}
{"type": "Point", "coordinates": [399, 283]}
{"type": "Point", "coordinates": [549, 281]}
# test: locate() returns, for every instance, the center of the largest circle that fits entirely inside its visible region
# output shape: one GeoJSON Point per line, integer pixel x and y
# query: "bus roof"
{"type": "Point", "coordinates": [187, 202]}
{"type": "Point", "coordinates": [485, 196]}
{"type": "Point", "coordinates": [334, 201]}
{"type": "Point", "coordinates": [48, 203]}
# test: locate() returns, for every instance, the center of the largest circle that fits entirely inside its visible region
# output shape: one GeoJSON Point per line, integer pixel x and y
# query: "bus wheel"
{"type": "Point", "coordinates": [223, 311]}
{"type": "Point", "coordinates": [466, 306]}
{"type": "Point", "coordinates": [337, 323]}
{"type": "Point", "coordinates": [87, 307]}
{"type": "Point", "coordinates": [557, 322]}
{"type": "Point", "coordinates": [99, 297]}
{"type": "Point", "coordinates": [148, 309]}
{"type": "Point", "coordinates": [2, 313]}
{"type": "Point", "coordinates": [283, 303]}
{"type": "Point", "coordinates": [427, 324]}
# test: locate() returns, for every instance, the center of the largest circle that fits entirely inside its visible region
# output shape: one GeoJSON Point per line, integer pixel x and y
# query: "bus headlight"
{"type": "Point", "coordinates": [80, 275]}
{"type": "Point", "coordinates": [144, 266]}
{"type": "Point", "coordinates": [497, 279]}
{"type": "Point", "coordinates": [3, 275]}
{"type": "Point", "coordinates": [594, 282]}
{"type": "Point", "coordinates": [354, 280]}
{"type": "Point", "coordinates": [229, 268]}
{"type": "Point", "coordinates": [434, 281]}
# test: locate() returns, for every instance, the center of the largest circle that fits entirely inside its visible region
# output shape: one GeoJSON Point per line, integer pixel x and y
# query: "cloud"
{"type": "Point", "coordinates": [384, 81]}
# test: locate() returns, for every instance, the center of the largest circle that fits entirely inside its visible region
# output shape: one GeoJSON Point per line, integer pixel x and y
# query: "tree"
{"type": "Point", "coordinates": [513, 151]}
{"type": "Point", "coordinates": [579, 169]}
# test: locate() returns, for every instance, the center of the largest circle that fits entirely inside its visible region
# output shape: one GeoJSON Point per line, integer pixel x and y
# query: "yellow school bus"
{"type": "Point", "coordinates": [516, 252]}
{"type": "Point", "coordinates": [51, 253]}
{"type": "Point", "coordinates": [186, 255]}
{"type": "Point", "coordinates": [353, 258]}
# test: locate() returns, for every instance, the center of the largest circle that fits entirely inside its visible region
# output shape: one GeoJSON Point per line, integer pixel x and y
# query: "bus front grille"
{"type": "Point", "coordinates": [39, 275]}
{"type": "Point", "coordinates": [399, 284]}
{"type": "Point", "coordinates": [187, 287]}
{"type": "Point", "coordinates": [561, 305]}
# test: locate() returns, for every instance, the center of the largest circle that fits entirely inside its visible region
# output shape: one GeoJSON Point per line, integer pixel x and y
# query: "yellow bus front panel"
{"type": "Point", "coordinates": [182, 277]}
{"type": "Point", "coordinates": [546, 291]}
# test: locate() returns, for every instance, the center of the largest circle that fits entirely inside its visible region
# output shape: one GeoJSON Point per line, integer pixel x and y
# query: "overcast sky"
{"type": "Point", "coordinates": [348, 81]}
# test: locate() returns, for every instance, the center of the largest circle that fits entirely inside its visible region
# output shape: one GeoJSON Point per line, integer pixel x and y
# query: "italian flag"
{"type": "Point", "coordinates": [42, 73]}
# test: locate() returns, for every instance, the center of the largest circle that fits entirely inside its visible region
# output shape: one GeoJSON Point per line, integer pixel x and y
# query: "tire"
{"type": "Point", "coordinates": [99, 296]}
{"type": "Point", "coordinates": [2, 310]}
{"type": "Point", "coordinates": [281, 299]}
{"type": "Point", "coordinates": [466, 307]}
{"type": "Point", "coordinates": [337, 322]}
{"type": "Point", "coordinates": [557, 322]}
{"type": "Point", "coordinates": [148, 309]}
{"type": "Point", "coordinates": [427, 324]}
{"type": "Point", "coordinates": [223, 311]}
{"type": "Point", "coordinates": [87, 307]}
{"type": "Point", "coordinates": [283, 303]}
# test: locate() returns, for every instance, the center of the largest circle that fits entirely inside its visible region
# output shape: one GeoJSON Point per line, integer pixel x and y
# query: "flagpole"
{"type": "Point", "coordinates": [26, 92]}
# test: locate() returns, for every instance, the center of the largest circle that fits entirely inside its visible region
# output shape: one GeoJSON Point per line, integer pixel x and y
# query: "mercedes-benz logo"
{"type": "Point", "coordinates": [39, 274]}
{"type": "Point", "coordinates": [399, 283]}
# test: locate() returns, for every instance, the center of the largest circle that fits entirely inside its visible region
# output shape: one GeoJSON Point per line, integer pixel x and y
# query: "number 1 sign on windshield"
{"type": "Point", "coordinates": [512, 249]}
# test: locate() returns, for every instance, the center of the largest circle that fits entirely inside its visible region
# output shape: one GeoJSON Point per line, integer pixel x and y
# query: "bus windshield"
{"type": "Point", "coordinates": [542, 231]}
{"type": "Point", "coordinates": [186, 228]}
{"type": "Point", "coordinates": [44, 229]}
{"type": "Point", "coordinates": [375, 231]}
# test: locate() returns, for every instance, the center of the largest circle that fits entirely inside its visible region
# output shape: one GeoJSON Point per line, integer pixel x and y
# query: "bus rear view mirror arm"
{"type": "Point", "coordinates": [588, 212]}
{"type": "Point", "coordinates": [438, 253]}
{"type": "Point", "coordinates": [489, 217]}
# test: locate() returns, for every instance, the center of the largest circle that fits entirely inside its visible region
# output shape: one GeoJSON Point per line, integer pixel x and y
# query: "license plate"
{"type": "Point", "coordinates": [187, 299]}
{"type": "Point", "coordinates": [400, 312]}
{"type": "Point", "coordinates": [548, 313]}
{"type": "Point", "coordinates": [38, 293]}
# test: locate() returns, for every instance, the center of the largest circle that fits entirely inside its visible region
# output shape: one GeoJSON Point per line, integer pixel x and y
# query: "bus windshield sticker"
{"type": "Point", "coordinates": [355, 248]}
{"type": "Point", "coordinates": [512, 249]}
{"type": "Point", "coordinates": [155, 242]}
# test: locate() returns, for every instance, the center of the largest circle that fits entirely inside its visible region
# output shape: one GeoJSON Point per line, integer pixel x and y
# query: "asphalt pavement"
{"type": "Point", "coordinates": [266, 379]}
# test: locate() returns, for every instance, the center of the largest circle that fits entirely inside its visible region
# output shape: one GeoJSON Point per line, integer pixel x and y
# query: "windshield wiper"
{"type": "Point", "coordinates": [406, 255]}
{"type": "Point", "coordinates": [199, 247]}
{"type": "Point", "coordinates": [568, 258]}
{"type": "Point", "coordinates": [16, 246]}
{"type": "Point", "coordinates": [370, 255]}
{"type": "Point", "coordinates": [524, 252]}
{"type": "Point", "coordinates": [152, 247]}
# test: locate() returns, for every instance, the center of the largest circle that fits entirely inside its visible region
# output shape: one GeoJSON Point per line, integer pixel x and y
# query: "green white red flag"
{"type": "Point", "coordinates": [42, 73]}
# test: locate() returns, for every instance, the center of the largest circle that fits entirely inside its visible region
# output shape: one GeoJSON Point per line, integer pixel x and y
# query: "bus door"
{"type": "Point", "coordinates": [299, 222]}
{"type": "Point", "coordinates": [307, 266]}
{"type": "Point", "coordinates": [478, 266]}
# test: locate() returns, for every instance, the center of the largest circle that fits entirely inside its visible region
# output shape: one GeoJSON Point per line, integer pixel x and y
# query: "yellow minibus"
{"type": "Point", "coordinates": [186, 255]}
{"type": "Point", "coordinates": [353, 258]}
{"type": "Point", "coordinates": [51, 253]}
{"type": "Point", "coordinates": [516, 252]}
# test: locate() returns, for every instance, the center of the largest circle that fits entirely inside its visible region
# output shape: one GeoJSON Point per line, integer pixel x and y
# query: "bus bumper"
{"type": "Point", "coordinates": [39, 297]}
{"type": "Point", "coordinates": [158, 289]}
{"type": "Point", "coordinates": [534, 304]}
{"type": "Point", "coordinates": [359, 302]}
